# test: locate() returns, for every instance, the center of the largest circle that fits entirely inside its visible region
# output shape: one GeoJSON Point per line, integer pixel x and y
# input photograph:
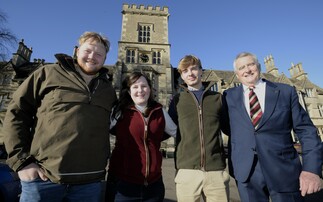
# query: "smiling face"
{"type": "Point", "coordinates": [140, 91]}
{"type": "Point", "coordinates": [247, 70]}
{"type": "Point", "coordinates": [91, 56]}
{"type": "Point", "coordinates": [192, 76]}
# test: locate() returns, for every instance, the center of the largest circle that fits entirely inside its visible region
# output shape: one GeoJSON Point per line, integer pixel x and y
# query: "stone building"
{"type": "Point", "coordinates": [144, 46]}
{"type": "Point", "coordinates": [12, 74]}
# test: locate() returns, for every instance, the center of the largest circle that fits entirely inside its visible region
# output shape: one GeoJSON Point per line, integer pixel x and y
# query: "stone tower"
{"type": "Point", "coordinates": [144, 47]}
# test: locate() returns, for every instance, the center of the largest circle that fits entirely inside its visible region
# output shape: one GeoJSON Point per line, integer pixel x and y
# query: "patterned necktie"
{"type": "Point", "coordinates": [255, 109]}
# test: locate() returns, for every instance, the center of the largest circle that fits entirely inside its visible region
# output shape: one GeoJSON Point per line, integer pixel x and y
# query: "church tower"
{"type": "Point", "coordinates": [144, 47]}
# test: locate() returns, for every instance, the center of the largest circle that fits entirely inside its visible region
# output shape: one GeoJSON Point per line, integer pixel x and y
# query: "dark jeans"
{"type": "Point", "coordinates": [124, 191]}
{"type": "Point", "coordinates": [46, 191]}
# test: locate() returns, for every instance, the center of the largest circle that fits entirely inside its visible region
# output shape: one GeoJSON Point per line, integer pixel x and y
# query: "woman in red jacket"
{"type": "Point", "coordinates": [140, 124]}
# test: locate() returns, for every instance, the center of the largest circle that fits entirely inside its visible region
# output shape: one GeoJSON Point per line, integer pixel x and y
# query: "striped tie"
{"type": "Point", "coordinates": [255, 109]}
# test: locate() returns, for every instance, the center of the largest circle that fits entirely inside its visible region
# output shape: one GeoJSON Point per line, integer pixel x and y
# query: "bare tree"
{"type": "Point", "coordinates": [7, 38]}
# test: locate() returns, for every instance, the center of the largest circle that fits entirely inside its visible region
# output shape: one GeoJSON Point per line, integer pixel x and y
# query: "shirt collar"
{"type": "Point", "coordinates": [194, 89]}
{"type": "Point", "coordinates": [260, 82]}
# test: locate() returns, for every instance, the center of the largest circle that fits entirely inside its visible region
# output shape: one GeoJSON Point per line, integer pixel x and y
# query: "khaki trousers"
{"type": "Point", "coordinates": [191, 185]}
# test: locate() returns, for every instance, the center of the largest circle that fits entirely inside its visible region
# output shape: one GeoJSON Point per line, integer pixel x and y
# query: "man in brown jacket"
{"type": "Point", "coordinates": [57, 126]}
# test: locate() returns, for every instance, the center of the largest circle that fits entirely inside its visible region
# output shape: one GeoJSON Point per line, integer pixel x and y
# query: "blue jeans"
{"type": "Point", "coordinates": [154, 192]}
{"type": "Point", "coordinates": [47, 191]}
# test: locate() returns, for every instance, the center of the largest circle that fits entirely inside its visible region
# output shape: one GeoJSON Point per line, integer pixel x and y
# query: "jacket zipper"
{"type": "Point", "coordinates": [201, 138]}
{"type": "Point", "coordinates": [200, 118]}
{"type": "Point", "coordinates": [145, 145]}
{"type": "Point", "coordinates": [147, 153]}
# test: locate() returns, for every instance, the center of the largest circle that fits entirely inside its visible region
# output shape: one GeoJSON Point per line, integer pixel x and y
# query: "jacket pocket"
{"type": "Point", "coordinates": [289, 154]}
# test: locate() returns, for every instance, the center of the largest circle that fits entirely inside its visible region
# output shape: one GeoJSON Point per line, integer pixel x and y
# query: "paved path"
{"type": "Point", "coordinates": [170, 195]}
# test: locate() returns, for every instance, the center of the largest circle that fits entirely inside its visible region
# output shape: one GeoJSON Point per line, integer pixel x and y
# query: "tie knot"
{"type": "Point", "coordinates": [251, 91]}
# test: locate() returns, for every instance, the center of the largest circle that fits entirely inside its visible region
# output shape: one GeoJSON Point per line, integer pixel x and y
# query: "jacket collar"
{"type": "Point", "coordinates": [206, 85]}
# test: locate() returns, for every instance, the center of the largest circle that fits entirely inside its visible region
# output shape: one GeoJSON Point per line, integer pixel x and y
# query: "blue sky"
{"type": "Point", "coordinates": [214, 30]}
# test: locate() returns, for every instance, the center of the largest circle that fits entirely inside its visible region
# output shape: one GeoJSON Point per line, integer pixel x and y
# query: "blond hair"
{"type": "Point", "coordinates": [187, 61]}
{"type": "Point", "coordinates": [95, 37]}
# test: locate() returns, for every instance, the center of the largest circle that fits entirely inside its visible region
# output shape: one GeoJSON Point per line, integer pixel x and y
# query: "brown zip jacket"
{"type": "Point", "coordinates": [59, 122]}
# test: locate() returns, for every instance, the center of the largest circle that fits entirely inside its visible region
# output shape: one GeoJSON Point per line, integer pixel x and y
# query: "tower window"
{"type": "Point", "coordinates": [130, 56]}
{"type": "Point", "coordinates": [156, 57]}
{"type": "Point", "coordinates": [144, 33]}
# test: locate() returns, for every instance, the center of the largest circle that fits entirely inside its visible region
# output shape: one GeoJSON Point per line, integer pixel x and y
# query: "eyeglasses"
{"type": "Point", "coordinates": [249, 65]}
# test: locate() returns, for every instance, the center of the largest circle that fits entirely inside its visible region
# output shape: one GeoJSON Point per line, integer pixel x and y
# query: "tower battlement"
{"type": "Point", "coordinates": [149, 10]}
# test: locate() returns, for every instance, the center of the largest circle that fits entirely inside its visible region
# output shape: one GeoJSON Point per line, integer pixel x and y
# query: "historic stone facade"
{"type": "Point", "coordinates": [144, 47]}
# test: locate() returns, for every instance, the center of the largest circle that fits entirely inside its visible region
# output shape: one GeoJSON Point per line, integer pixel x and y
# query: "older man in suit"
{"type": "Point", "coordinates": [260, 116]}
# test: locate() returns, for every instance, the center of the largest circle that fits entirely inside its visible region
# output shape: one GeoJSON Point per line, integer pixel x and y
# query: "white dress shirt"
{"type": "Point", "coordinates": [260, 90]}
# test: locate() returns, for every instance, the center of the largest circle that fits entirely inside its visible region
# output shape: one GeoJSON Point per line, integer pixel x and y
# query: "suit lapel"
{"type": "Point", "coordinates": [271, 98]}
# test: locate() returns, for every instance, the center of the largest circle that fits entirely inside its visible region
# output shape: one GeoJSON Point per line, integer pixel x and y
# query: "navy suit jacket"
{"type": "Point", "coordinates": [272, 139]}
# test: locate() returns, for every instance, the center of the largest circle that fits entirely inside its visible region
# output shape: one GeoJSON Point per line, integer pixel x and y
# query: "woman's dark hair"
{"type": "Point", "coordinates": [125, 100]}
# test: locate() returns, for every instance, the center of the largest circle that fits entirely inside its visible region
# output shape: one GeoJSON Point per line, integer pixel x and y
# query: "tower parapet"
{"type": "Point", "coordinates": [148, 10]}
